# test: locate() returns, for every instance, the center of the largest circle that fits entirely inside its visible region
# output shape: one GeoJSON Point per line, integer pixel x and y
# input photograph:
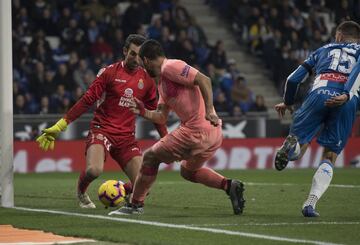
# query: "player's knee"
{"type": "Point", "coordinates": [94, 172]}
{"type": "Point", "coordinates": [187, 174]}
{"type": "Point", "coordinates": [150, 158]}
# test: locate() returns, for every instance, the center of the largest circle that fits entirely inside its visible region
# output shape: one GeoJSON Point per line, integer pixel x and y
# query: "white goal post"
{"type": "Point", "coordinates": [6, 106]}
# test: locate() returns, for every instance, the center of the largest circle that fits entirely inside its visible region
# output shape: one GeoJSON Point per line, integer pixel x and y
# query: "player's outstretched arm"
{"type": "Point", "coordinates": [204, 84]}
{"type": "Point", "coordinates": [47, 139]}
{"type": "Point", "coordinates": [281, 109]}
{"type": "Point", "coordinates": [158, 116]}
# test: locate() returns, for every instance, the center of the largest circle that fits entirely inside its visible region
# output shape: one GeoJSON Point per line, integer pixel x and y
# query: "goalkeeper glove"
{"type": "Point", "coordinates": [47, 139]}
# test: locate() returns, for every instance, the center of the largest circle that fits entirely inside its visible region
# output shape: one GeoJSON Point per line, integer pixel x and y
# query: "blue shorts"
{"type": "Point", "coordinates": [332, 124]}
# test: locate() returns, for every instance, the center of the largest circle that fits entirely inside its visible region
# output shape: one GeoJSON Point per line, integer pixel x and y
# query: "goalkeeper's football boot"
{"type": "Point", "coordinates": [236, 194]}
{"type": "Point", "coordinates": [129, 209]}
{"type": "Point", "coordinates": [282, 155]}
{"type": "Point", "coordinates": [309, 211]}
{"type": "Point", "coordinates": [85, 201]}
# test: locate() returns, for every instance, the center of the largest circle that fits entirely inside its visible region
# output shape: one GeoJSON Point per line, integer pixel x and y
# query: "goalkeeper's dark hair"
{"type": "Point", "coordinates": [151, 49]}
{"type": "Point", "coordinates": [349, 29]}
{"type": "Point", "coordinates": [136, 39]}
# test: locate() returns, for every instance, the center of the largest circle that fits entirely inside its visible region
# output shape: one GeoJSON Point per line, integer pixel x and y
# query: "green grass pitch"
{"type": "Point", "coordinates": [274, 200]}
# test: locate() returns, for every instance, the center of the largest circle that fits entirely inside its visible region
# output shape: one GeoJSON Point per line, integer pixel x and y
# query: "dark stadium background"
{"type": "Point", "coordinates": [59, 46]}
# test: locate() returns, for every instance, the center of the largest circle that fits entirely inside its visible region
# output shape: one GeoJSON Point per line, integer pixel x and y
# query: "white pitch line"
{"type": "Point", "coordinates": [283, 224]}
{"type": "Point", "coordinates": [177, 226]}
{"type": "Point", "coordinates": [264, 184]}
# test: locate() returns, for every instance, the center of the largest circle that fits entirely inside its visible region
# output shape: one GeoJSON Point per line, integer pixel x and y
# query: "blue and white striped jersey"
{"type": "Point", "coordinates": [352, 86]}
{"type": "Point", "coordinates": [332, 64]}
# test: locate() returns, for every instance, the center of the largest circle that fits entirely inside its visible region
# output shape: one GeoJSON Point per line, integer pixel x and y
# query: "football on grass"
{"type": "Point", "coordinates": [112, 193]}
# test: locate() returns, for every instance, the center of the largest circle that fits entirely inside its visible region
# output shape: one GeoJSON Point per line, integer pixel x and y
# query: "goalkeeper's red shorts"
{"type": "Point", "coordinates": [121, 149]}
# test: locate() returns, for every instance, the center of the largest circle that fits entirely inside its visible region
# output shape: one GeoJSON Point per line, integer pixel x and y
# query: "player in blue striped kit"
{"type": "Point", "coordinates": [321, 112]}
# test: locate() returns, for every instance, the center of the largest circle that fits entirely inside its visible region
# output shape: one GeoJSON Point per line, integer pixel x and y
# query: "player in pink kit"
{"type": "Point", "coordinates": [188, 93]}
{"type": "Point", "coordinates": [112, 130]}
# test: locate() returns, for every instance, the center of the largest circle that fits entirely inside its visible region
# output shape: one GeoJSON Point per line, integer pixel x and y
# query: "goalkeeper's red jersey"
{"type": "Point", "coordinates": [112, 90]}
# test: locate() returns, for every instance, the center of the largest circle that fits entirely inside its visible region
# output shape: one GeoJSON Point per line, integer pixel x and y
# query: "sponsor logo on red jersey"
{"type": "Point", "coordinates": [126, 98]}
{"type": "Point", "coordinates": [120, 80]}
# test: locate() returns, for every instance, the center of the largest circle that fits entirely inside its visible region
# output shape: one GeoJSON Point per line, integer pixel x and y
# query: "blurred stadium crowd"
{"type": "Point", "coordinates": [283, 33]}
{"type": "Point", "coordinates": [59, 46]}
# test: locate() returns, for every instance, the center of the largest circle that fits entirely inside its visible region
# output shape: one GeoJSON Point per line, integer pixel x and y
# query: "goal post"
{"type": "Point", "coordinates": [6, 106]}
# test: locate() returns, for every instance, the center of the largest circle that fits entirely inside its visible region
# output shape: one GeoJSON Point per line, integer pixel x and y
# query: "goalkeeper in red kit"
{"type": "Point", "coordinates": [112, 130]}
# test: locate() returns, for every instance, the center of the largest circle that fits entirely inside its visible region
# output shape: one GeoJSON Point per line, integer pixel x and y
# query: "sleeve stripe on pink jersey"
{"type": "Point", "coordinates": [185, 71]}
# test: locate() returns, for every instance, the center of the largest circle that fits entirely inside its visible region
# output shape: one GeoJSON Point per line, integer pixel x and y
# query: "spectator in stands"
{"type": "Point", "coordinates": [154, 30]}
{"type": "Point", "coordinates": [237, 111]}
{"type": "Point", "coordinates": [49, 86]}
{"type": "Point", "coordinates": [232, 69]}
{"type": "Point", "coordinates": [117, 43]}
{"type": "Point", "coordinates": [37, 79]}
{"type": "Point", "coordinates": [75, 25]}
{"type": "Point", "coordinates": [16, 88]}
{"type": "Point", "coordinates": [181, 16]}
{"type": "Point", "coordinates": [20, 106]}
{"type": "Point", "coordinates": [64, 19]}
{"type": "Point", "coordinates": [252, 18]}
{"type": "Point", "coordinates": [166, 40]}
{"type": "Point", "coordinates": [274, 20]}
{"type": "Point", "coordinates": [221, 104]}
{"type": "Point", "coordinates": [79, 74]}
{"type": "Point", "coordinates": [196, 33]}
{"type": "Point", "coordinates": [96, 9]}
{"type": "Point", "coordinates": [89, 77]}
{"type": "Point", "coordinates": [303, 52]}
{"type": "Point", "coordinates": [43, 55]}
{"type": "Point", "coordinates": [45, 106]}
{"type": "Point", "coordinates": [214, 76]}
{"type": "Point", "coordinates": [93, 31]}
{"type": "Point", "coordinates": [78, 93]}
{"type": "Point", "coordinates": [63, 77]}
{"type": "Point", "coordinates": [101, 48]}
{"type": "Point", "coordinates": [134, 17]}
{"type": "Point", "coordinates": [147, 9]}
{"type": "Point", "coordinates": [241, 95]}
{"type": "Point", "coordinates": [84, 21]}
{"type": "Point", "coordinates": [257, 32]}
{"type": "Point", "coordinates": [59, 97]}
{"type": "Point", "coordinates": [259, 105]}
{"type": "Point", "coordinates": [188, 53]}
{"type": "Point", "coordinates": [73, 36]}
{"type": "Point", "coordinates": [226, 82]}
{"type": "Point", "coordinates": [218, 56]}
{"type": "Point", "coordinates": [181, 36]}
{"type": "Point", "coordinates": [39, 39]}
{"type": "Point", "coordinates": [64, 105]}
{"type": "Point", "coordinates": [167, 20]}
{"type": "Point", "coordinates": [47, 23]}
{"type": "Point", "coordinates": [343, 12]}
{"type": "Point", "coordinates": [316, 42]}
{"type": "Point", "coordinates": [296, 20]}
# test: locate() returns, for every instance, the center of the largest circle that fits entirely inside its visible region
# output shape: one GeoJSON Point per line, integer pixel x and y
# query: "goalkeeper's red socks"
{"type": "Point", "coordinates": [128, 188]}
{"type": "Point", "coordinates": [84, 181]}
